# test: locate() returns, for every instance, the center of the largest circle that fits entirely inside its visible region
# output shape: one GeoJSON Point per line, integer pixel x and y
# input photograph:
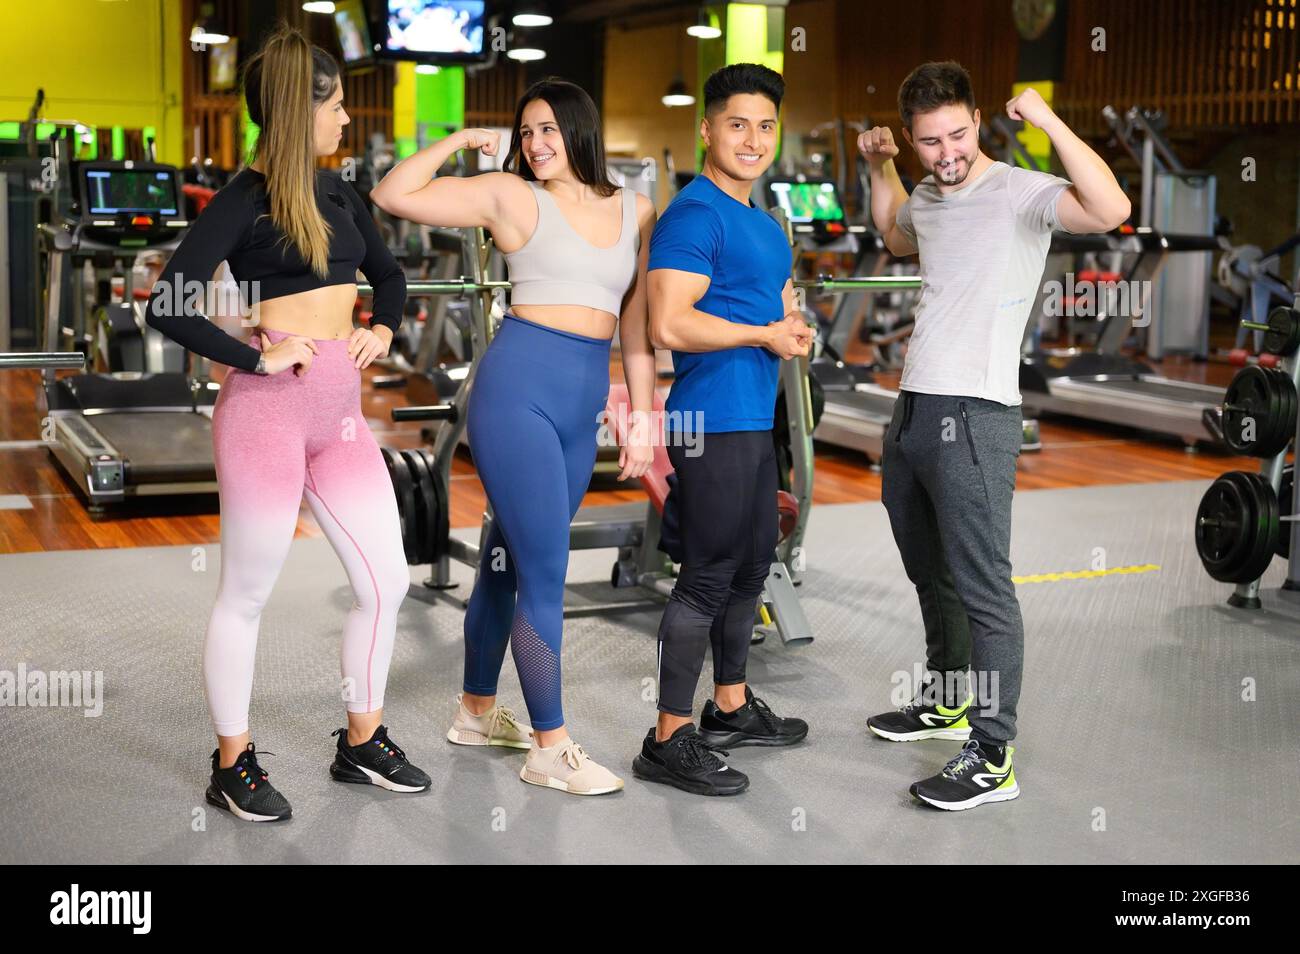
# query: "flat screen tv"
{"type": "Point", "coordinates": [434, 31]}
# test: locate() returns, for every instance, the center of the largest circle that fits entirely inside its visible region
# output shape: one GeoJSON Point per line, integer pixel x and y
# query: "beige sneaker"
{"type": "Point", "coordinates": [567, 767]}
{"type": "Point", "coordinates": [497, 726]}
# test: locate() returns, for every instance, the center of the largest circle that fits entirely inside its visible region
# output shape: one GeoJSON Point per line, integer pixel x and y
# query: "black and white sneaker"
{"type": "Point", "coordinates": [377, 761]}
{"type": "Point", "coordinates": [970, 779]}
{"type": "Point", "coordinates": [243, 789]}
{"type": "Point", "coordinates": [686, 761]}
{"type": "Point", "coordinates": [754, 723]}
{"type": "Point", "coordinates": [918, 720]}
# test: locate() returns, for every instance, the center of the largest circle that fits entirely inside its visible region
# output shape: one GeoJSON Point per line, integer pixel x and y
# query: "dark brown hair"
{"type": "Point", "coordinates": [932, 85]}
{"type": "Point", "coordinates": [579, 122]}
{"type": "Point", "coordinates": [283, 85]}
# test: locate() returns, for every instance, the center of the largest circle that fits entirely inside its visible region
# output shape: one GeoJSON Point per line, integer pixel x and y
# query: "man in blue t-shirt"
{"type": "Point", "coordinates": [721, 298]}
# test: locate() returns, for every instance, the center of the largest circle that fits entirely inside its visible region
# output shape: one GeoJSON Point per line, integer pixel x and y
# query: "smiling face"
{"type": "Point", "coordinates": [741, 136]}
{"type": "Point", "coordinates": [542, 142]}
{"type": "Point", "coordinates": [329, 122]}
{"type": "Point", "coordinates": [947, 142]}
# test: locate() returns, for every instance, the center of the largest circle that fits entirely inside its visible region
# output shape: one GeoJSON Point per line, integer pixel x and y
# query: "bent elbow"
{"type": "Point", "coordinates": [660, 337]}
{"type": "Point", "coordinates": [1122, 213]}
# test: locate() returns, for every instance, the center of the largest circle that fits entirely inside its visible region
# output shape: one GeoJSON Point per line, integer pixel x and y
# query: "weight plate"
{"type": "Point", "coordinates": [1283, 335]}
{"type": "Point", "coordinates": [1285, 497]}
{"type": "Point", "coordinates": [1253, 408]}
{"type": "Point", "coordinates": [425, 504]}
{"type": "Point", "coordinates": [442, 494]}
{"type": "Point", "coordinates": [404, 489]}
{"type": "Point", "coordinates": [1264, 544]}
{"type": "Point", "coordinates": [1224, 523]}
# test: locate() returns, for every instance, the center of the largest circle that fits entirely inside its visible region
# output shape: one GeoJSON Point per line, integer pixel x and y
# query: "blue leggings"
{"type": "Point", "coordinates": [533, 418]}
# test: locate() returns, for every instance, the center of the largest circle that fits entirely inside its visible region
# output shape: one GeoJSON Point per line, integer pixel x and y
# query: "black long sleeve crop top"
{"type": "Point", "coordinates": [236, 227]}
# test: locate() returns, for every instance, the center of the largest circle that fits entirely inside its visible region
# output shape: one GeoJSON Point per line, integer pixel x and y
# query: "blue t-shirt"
{"type": "Point", "coordinates": [745, 254]}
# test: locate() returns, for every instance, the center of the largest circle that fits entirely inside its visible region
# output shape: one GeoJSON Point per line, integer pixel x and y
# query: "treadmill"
{"type": "Point", "coordinates": [122, 434]}
{"type": "Point", "coordinates": [1105, 385]}
{"type": "Point", "coordinates": [857, 410]}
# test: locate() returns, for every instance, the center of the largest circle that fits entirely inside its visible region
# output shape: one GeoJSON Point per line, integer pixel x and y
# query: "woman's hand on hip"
{"type": "Point", "coordinates": [365, 346]}
{"type": "Point", "coordinates": [293, 352]}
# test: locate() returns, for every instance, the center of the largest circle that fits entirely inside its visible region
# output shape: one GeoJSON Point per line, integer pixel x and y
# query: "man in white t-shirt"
{"type": "Point", "coordinates": [982, 229]}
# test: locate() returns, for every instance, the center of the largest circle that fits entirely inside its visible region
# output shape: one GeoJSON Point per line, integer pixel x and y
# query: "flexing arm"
{"type": "Point", "coordinates": [887, 193]}
{"type": "Point", "coordinates": [411, 191]}
{"type": "Point", "coordinates": [1094, 202]}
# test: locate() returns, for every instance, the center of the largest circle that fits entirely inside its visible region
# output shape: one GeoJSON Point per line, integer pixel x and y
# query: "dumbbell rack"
{"type": "Point", "coordinates": [1246, 595]}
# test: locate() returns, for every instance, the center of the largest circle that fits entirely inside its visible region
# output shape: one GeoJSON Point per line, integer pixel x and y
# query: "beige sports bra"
{"type": "Point", "coordinates": [557, 266]}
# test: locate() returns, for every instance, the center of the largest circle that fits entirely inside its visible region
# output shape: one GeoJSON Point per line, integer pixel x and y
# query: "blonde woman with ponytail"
{"type": "Point", "coordinates": [288, 421]}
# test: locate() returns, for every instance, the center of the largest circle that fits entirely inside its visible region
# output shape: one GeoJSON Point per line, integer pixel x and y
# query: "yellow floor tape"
{"type": "Point", "coordinates": [1084, 574]}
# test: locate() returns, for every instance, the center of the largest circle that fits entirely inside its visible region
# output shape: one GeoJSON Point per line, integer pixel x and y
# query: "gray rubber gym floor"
{"type": "Point", "coordinates": [1136, 744]}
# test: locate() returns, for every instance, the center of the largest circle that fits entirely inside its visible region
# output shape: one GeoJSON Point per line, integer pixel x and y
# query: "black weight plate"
{"type": "Point", "coordinates": [1285, 496]}
{"type": "Point", "coordinates": [1291, 405]}
{"type": "Point", "coordinates": [1278, 430]}
{"type": "Point", "coordinates": [425, 504]}
{"type": "Point", "coordinates": [1223, 526]}
{"type": "Point", "coordinates": [1264, 545]}
{"type": "Point", "coordinates": [404, 489]}
{"type": "Point", "coordinates": [1253, 396]}
{"type": "Point", "coordinates": [1283, 335]}
{"type": "Point", "coordinates": [442, 493]}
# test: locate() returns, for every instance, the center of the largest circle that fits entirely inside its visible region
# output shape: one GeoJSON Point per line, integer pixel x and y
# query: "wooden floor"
{"type": "Point", "coordinates": [1074, 454]}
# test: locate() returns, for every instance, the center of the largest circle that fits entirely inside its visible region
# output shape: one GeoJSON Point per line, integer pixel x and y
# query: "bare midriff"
{"type": "Point", "coordinates": [324, 313]}
{"type": "Point", "coordinates": [577, 319]}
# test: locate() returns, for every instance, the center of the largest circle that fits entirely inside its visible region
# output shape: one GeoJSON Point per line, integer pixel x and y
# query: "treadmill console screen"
{"type": "Point", "coordinates": [112, 189]}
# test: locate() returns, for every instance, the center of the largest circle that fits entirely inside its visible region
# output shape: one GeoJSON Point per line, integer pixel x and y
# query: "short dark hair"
{"type": "Point", "coordinates": [579, 122]}
{"type": "Point", "coordinates": [742, 78]}
{"type": "Point", "coordinates": [932, 85]}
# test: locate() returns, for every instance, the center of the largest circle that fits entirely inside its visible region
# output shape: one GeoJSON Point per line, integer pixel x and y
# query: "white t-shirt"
{"type": "Point", "coordinates": [983, 249]}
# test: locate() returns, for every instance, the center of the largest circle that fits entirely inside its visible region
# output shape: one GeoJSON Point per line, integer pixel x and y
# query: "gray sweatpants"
{"type": "Point", "coordinates": [949, 473]}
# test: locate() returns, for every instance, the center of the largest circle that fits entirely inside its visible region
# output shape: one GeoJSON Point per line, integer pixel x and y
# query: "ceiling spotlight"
{"type": "Point", "coordinates": [705, 27]}
{"type": "Point", "coordinates": [204, 30]}
{"type": "Point", "coordinates": [678, 95]}
{"type": "Point", "coordinates": [531, 14]}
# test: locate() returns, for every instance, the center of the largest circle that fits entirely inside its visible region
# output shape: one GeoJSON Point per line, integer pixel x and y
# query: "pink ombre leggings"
{"type": "Point", "coordinates": [276, 437]}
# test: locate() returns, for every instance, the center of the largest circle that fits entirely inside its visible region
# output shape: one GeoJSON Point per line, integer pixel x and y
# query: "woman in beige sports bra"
{"type": "Point", "coordinates": [576, 247]}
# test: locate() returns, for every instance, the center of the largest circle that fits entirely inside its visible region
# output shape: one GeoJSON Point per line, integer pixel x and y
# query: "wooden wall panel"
{"type": "Point", "coordinates": [1204, 63]}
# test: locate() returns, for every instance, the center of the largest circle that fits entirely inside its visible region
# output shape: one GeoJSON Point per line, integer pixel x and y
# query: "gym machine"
{"type": "Point", "coordinates": [854, 410]}
{"type": "Point", "coordinates": [1174, 199]}
{"type": "Point", "coordinates": [1104, 384]}
{"type": "Point", "coordinates": [421, 479]}
{"type": "Point", "coordinates": [1247, 518]}
{"type": "Point", "coordinates": [126, 432]}
{"type": "Point", "coordinates": [1247, 273]}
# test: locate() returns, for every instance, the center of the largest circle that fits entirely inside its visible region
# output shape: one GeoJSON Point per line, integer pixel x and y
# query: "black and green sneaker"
{"type": "Point", "coordinates": [919, 720]}
{"type": "Point", "coordinates": [969, 780]}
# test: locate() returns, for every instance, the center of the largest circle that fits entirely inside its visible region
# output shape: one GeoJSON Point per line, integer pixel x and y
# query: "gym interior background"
{"type": "Point", "coordinates": [1154, 559]}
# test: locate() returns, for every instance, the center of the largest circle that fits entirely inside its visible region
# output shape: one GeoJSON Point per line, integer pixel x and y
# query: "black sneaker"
{"type": "Point", "coordinates": [916, 720]}
{"type": "Point", "coordinates": [244, 791]}
{"type": "Point", "coordinates": [752, 724]}
{"type": "Point", "coordinates": [968, 780]}
{"type": "Point", "coordinates": [377, 761]}
{"type": "Point", "coordinates": [686, 761]}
